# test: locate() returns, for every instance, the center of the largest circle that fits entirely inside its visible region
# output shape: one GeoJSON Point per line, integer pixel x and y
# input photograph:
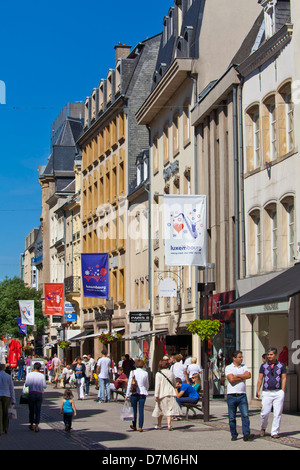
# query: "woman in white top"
{"type": "Point", "coordinates": [165, 395]}
{"type": "Point", "coordinates": [178, 369]}
{"type": "Point", "coordinates": [193, 368]}
{"type": "Point", "coordinates": [140, 376]}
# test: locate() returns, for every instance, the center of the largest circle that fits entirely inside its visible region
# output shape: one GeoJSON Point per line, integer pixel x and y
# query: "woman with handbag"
{"type": "Point", "coordinates": [137, 390]}
{"type": "Point", "coordinates": [165, 395]}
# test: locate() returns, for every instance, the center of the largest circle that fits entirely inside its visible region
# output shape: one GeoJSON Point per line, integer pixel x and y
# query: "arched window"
{"type": "Point", "coordinates": [254, 242]}
{"type": "Point", "coordinates": [269, 128]}
{"type": "Point", "coordinates": [285, 119]}
{"type": "Point", "coordinates": [252, 137]}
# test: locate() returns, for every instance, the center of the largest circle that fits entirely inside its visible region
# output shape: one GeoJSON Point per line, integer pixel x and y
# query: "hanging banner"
{"type": "Point", "coordinates": [95, 275]}
{"type": "Point", "coordinates": [22, 326]}
{"type": "Point", "coordinates": [27, 311]}
{"type": "Point", "coordinates": [54, 299]}
{"type": "Point", "coordinates": [185, 230]}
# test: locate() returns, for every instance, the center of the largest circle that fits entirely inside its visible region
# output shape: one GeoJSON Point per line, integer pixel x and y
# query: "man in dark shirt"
{"type": "Point", "coordinates": [272, 375]}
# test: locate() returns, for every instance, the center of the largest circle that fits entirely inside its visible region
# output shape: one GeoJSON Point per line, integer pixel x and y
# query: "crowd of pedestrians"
{"type": "Point", "coordinates": [177, 383]}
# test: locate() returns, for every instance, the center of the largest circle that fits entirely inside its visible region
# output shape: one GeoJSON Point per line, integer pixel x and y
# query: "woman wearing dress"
{"type": "Point", "coordinates": [138, 397]}
{"type": "Point", "coordinates": [165, 395]}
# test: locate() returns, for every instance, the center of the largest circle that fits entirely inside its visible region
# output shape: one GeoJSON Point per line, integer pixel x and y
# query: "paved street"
{"type": "Point", "coordinates": [98, 427]}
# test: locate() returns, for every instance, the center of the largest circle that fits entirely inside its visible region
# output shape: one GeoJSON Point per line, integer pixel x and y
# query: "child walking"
{"type": "Point", "coordinates": [67, 409]}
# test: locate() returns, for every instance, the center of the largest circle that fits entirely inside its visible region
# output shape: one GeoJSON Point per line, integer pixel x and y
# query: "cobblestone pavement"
{"type": "Point", "coordinates": [98, 427]}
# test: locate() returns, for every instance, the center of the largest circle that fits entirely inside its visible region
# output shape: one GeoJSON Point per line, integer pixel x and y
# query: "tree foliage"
{"type": "Point", "coordinates": [12, 290]}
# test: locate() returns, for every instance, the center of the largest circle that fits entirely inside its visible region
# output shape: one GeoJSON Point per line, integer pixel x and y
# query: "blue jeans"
{"type": "Point", "coordinates": [104, 384]}
{"type": "Point", "coordinates": [135, 400]}
{"type": "Point", "coordinates": [35, 404]}
{"type": "Point", "coordinates": [20, 373]}
{"type": "Point", "coordinates": [182, 400]}
{"type": "Point", "coordinates": [233, 403]}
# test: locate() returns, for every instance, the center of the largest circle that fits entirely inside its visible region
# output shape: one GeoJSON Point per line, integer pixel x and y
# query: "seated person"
{"type": "Point", "coordinates": [185, 393]}
{"type": "Point", "coordinates": [121, 381]}
{"type": "Point", "coordinates": [196, 383]}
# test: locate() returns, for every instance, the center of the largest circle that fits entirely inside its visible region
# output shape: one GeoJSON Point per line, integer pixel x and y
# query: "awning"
{"type": "Point", "coordinates": [278, 289]}
{"type": "Point", "coordinates": [142, 334]}
{"type": "Point", "coordinates": [81, 335]}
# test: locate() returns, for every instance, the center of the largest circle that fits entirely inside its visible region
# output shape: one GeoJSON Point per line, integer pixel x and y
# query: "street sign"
{"type": "Point", "coordinates": [139, 317]}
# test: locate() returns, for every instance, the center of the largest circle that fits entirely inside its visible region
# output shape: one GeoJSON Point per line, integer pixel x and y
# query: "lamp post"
{"type": "Point", "coordinates": [109, 313]}
{"type": "Point", "coordinates": [206, 289]}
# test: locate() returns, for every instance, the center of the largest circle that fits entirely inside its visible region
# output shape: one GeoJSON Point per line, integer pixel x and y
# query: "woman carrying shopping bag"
{"type": "Point", "coordinates": [137, 390]}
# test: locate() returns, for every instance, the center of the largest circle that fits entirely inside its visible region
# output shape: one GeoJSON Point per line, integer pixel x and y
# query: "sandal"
{"type": "Point", "coordinates": [170, 428]}
{"type": "Point", "coordinates": [157, 427]}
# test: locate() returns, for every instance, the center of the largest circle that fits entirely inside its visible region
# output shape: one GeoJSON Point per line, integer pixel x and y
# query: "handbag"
{"type": "Point", "coordinates": [133, 387]}
{"type": "Point", "coordinates": [126, 412]}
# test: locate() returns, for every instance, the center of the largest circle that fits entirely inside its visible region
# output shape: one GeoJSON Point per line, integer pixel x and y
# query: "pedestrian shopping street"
{"type": "Point", "coordinates": [98, 427]}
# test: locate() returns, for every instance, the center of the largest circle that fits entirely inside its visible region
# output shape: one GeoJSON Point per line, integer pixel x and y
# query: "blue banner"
{"type": "Point", "coordinates": [22, 326]}
{"type": "Point", "coordinates": [95, 275]}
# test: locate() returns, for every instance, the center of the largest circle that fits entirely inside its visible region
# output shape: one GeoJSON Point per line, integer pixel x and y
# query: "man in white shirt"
{"type": "Point", "coordinates": [103, 372]}
{"type": "Point", "coordinates": [236, 374]}
{"type": "Point", "coordinates": [36, 383]}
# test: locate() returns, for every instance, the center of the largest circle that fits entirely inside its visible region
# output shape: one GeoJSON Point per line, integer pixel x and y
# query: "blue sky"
{"type": "Point", "coordinates": [51, 53]}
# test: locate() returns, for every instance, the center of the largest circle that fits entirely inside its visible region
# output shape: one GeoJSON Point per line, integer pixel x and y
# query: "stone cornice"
{"type": "Point", "coordinates": [266, 51]}
{"type": "Point", "coordinates": [166, 87]}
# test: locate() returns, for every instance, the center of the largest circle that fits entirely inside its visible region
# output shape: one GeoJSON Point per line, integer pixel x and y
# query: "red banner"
{"type": "Point", "coordinates": [54, 299]}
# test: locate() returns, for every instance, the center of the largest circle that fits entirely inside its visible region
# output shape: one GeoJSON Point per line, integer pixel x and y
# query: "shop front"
{"type": "Point", "coordinates": [269, 317]}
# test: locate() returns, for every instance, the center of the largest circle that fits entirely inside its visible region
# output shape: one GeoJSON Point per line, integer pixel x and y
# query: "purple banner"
{"type": "Point", "coordinates": [95, 275]}
{"type": "Point", "coordinates": [22, 326]}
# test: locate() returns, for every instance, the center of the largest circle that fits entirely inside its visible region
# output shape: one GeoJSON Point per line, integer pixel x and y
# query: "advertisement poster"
{"type": "Point", "coordinates": [95, 275]}
{"type": "Point", "coordinates": [27, 311]}
{"type": "Point", "coordinates": [54, 299]}
{"type": "Point", "coordinates": [185, 230]}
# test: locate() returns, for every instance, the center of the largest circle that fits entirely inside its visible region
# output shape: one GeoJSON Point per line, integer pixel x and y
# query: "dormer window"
{"type": "Point", "coordinates": [269, 14]}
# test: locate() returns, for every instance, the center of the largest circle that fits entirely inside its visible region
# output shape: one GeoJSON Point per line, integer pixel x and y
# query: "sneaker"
{"type": "Point", "coordinates": [275, 436]}
{"type": "Point", "coordinates": [248, 437]}
{"type": "Point", "coordinates": [234, 438]}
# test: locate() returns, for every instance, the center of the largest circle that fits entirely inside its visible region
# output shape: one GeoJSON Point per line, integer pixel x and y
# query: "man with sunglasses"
{"type": "Point", "coordinates": [272, 375]}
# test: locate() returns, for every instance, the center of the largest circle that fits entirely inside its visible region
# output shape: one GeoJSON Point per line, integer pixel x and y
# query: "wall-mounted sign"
{"type": "Point", "coordinates": [139, 317]}
{"type": "Point", "coordinates": [167, 288]}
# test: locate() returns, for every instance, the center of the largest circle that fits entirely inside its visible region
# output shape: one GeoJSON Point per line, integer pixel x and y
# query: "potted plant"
{"type": "Point", "coordinates": [63, 344]}
{"type": "Point", "coordinates": [109, 337]}
{"type": "Point", "coordinates": [206, 329]}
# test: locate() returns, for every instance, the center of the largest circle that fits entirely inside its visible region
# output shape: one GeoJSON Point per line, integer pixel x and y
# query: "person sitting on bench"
{"type": "Point", "coordinates": [186, 394]}
{"type": "Point", "coordinates": [121, 381]}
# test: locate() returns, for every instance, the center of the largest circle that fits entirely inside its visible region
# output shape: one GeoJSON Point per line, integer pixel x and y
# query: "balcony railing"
{"type": "Point", "coordinates": [72, 284]}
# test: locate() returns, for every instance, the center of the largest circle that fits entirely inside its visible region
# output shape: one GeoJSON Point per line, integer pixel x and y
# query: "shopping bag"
{"type": "Point", "coordinates": [12, 412]}
{"type": "Point", "coordinates": [126, 412]}
{"type": "Point", "coordinates": [24, 396]}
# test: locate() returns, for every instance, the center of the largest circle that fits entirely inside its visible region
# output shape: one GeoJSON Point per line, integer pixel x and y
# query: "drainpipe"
{"type": "Point", "coordinates": [197, 315]}
{"type": "Point", "coordinates": [236, 205]}
{"type": "Point", "coordinates": [149, 229]}
{"type": "Point", "coordinates": [242, 179]}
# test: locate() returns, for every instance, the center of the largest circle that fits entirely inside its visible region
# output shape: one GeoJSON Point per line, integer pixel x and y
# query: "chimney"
{"type": "Point", "coordinates": [121, 51]}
